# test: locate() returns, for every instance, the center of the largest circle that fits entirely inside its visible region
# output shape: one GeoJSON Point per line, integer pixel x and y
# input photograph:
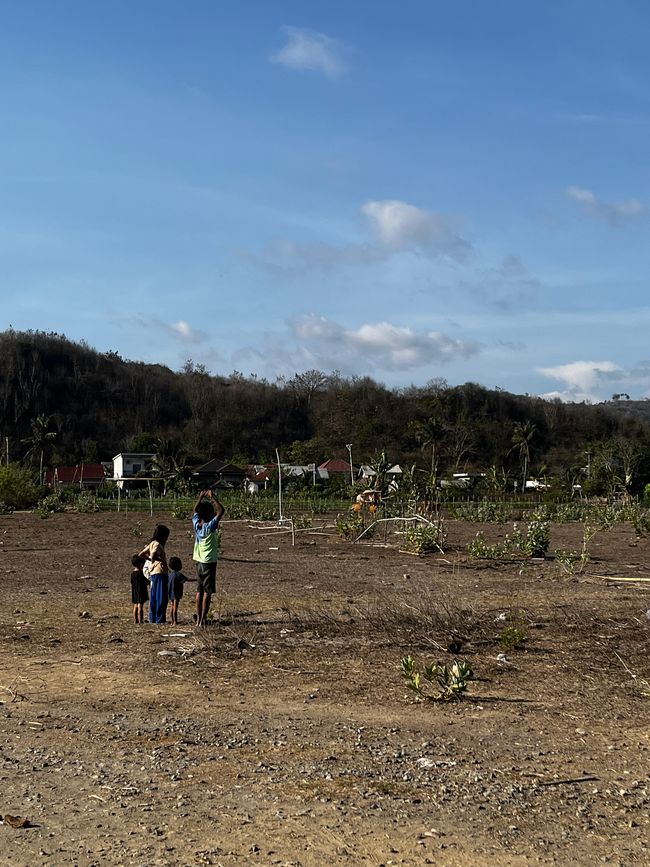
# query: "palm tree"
{"type": "Point", "coordinates": [429, 434]}
{"type": "Point", "coordinates": [522, 436]}
{"type": "Point", "coordinates": [40, 440]}
{"type": "Point", "coordinates": [170, 464]}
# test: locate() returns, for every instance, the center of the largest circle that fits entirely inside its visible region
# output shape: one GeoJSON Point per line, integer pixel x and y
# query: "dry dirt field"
{"type": "Point", "coordinates": [146, 745]}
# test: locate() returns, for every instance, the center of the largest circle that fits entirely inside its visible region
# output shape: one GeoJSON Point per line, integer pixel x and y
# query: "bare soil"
{"type": "Point", "coordinates": [283, 734]}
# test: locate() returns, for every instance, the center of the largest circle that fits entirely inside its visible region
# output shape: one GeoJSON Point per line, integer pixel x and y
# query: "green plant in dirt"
{"type": "Point", "coordinates": [5, 508]}
{"type": "Point", "coordinates": [136, 529]}
{"type": "Point", "coordinates": [424, 538]}
{"type": "Point", "coordinates": [349, 526]}
{"type": "Point", "coordinates": [449, 682]}
{"type": "Point", "coordinates": [513, 635]}
{"type": "Point", "coordinates": [85, 503]}
{"type": "Point", "coordinates": [484, 511]}
{"type": "Point", "coordinates": [640, 520]}
{"type": "Point", "coordinates": [538, 537]}
{"type": "Point", "coordinates": [49, 505]}
{"type": "Point", "coordinates": [569, 560]}
{"type": "Point", "coordinates": [575, 561]}
{"type": "Point", "coordinates": [302, 522]}
{"type": "Point", "coordinates": [482, 550]}
{"type": "Point", "coordinates": [17, 489]}
{"type": "Point", "coordinates": [180, 512]}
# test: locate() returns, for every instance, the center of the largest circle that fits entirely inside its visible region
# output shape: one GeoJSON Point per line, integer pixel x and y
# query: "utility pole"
{"type": "Point", "coordinates": [7, 449]}
{"type": "Point", "coordinates": [349, 448]}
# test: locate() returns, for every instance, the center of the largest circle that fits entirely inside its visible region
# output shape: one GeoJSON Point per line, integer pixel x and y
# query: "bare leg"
{"type": "Point", "coordinates": [136, 609]}
{"type": "Point", "coordinates": [141, 612]}
{"type": "Point", "coordinates": [199, 607]}
{"type": "Point", "coordinates": [207, 598]}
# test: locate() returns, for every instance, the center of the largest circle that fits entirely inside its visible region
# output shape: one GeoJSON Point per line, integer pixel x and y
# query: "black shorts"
{"type": "Point", "coordinates": [206, 577]}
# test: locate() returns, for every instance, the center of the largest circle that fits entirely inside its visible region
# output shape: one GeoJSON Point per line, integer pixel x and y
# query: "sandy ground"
{"type": "Point", "coordinates": [283, 734]}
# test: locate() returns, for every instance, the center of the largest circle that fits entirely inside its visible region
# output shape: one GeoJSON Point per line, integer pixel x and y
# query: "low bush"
{"type": "Point", "coordinates": [17, 489]}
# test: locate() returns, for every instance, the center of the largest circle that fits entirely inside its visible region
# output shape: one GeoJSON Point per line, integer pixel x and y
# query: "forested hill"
{"type": "Point", "coordinates": [99, 404]}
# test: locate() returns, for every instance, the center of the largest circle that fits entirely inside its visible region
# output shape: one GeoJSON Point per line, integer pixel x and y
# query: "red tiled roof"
{"type": "Point", "coordinates": [74, 475]}
{"type": "Point", "coordinates": [335, 465]}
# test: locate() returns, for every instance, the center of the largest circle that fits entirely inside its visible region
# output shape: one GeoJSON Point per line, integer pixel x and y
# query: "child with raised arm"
{"type": "Point", "coordinates": [139, 594]}
{"type": "Point", "coordinates": [155, 551]}
{"type": "Point", "coordinates": [207, 514]}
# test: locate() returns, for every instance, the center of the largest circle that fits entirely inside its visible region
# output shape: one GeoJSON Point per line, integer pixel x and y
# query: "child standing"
{"type": "Point", "coordinates": [176, 581]}
{"type": "Point", "coordinates": [139, 593]}
{"type": "Point", "coordinates": [206, 551]}
{"type": "Point", "coordinates": [155, 551]}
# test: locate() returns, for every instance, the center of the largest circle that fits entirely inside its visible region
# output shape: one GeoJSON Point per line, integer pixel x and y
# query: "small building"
{"type": "Point", "coordinates": [82, 476]}
{"type": "Point", "coordinates": [218, 474]}
{"type": "Point", "coordinates": [128, 465]}
{"type": "Point", "coordinates": [337, 467]}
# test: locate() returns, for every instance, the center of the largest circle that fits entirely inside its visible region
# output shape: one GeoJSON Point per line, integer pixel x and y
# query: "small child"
{"type": "Point", "coordinates": [139, 593]}
{"type": "Point", "coordinates": [176, 581]}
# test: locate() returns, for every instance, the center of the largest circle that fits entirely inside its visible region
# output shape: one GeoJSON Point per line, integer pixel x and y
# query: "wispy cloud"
{"type": "Point", "coordinates": [309, 49]}
{"type": "Point", "coordinates": [582, 379]}
{"type": "Point", "coordinates": [316, 341]}
{"type": "Point", "coordinates": [613, 213]}
{"type": "Point", "coordinates": [184, 331]}
{"type": "Point", "coordinates": [400, 227]}
{"type": "Point", "coordinates": [505, 286]}
{"type": "Point", "coordinates": [392, 227]}
{"type": "Point", "coordinates": [180, 330]}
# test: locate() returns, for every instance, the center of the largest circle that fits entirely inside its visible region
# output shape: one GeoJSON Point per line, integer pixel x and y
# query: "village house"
{"type": "Point", "coordinates": [82, 476]}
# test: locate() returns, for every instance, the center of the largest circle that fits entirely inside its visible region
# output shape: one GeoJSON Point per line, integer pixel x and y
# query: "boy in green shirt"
{"type": "Point", "coordinates": [207, 514]}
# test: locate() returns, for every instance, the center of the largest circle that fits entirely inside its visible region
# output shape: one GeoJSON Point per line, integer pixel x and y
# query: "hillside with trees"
{"type": "Point", "coordinates": [64, 402]}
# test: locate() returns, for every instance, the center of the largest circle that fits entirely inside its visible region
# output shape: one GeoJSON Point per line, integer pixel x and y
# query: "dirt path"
{"type": "Point", "coordinates": [130, 745]}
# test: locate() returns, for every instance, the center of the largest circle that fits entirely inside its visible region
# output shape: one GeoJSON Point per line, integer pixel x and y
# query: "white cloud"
{"type": "Point", "coordinates": [394, 227]}
{"type": "Point", "coordinates": [184, 331]}
{"type": "Point", "coordinates": [400, 227]}
{"type": "Point", "coordinates": [614, 213]}
{"type": "Point", "coordinates": [326, 343]}
{"type": "Point", "coordinates": [308, 49]}
{"type": "Point", "coordinates": [179, 330]}
{"type": "Point", "coordinates": [582, 379]}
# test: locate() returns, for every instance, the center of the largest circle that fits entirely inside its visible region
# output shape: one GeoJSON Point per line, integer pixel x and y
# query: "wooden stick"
{"type": "Point", "coordinates": [588, 778]}
{"type": "Point", "coordinates": [627, 580]}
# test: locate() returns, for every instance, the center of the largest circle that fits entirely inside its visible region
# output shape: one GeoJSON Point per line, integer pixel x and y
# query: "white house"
{"type": "Point", "coordinates": [126, 465]}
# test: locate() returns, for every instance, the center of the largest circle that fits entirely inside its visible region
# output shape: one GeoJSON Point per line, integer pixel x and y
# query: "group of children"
{"type": "Point", "coordinates": [165, 580]}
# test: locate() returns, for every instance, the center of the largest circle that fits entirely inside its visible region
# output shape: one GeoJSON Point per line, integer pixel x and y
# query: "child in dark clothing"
{"type": "Point", "coordinates": [139, 594]}
{"type": "Point", "coordinates": [176, 581]}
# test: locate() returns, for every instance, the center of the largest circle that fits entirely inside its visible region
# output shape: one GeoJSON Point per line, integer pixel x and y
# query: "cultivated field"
{"type": "Point", "coordinates": [284, 734]}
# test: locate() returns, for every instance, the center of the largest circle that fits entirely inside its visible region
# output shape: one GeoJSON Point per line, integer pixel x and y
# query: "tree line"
{"type": "Point", "coordinates": [86, 405]}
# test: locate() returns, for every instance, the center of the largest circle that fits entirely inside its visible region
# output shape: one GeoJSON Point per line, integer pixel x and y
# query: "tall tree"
{"type": "Point", "coordinates": [40, 440]}
{"type": "Point", "coordinates": [522, 436]}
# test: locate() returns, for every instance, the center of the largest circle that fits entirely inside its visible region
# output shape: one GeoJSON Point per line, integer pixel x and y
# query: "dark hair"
{"type": "Point", "coordinates": [175, 564]}
{"type": "Point", "coordinates": [137, 561]}
{"type": "Point", "coordinates": [160, 534]}
{"type": "Point", "coordinates": [205, 511]}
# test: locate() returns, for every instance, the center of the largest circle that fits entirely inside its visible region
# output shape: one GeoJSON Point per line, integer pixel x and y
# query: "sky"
{"type": "Point", "coordinates": [406, 191]}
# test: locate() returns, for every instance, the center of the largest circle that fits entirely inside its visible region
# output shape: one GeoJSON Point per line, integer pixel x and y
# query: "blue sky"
{"type": "Point", "coordinates": [407, 191]}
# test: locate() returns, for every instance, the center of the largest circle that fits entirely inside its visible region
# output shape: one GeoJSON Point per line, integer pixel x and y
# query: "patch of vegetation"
{"type": "Point", "coordinates": [49, 506]}
{"type": "Point", "coordinates": [349, 526]}
{"type": "Point", "coordinates": [513, 635]}
{"type": "Point", "coordinates": [85, 503]}
{"type": "Point", "coordinates": [423, 539]}
{"type": "Point", "coordinates": [436, 682]}
{"type": "Point", "coordinates": [17, 489]}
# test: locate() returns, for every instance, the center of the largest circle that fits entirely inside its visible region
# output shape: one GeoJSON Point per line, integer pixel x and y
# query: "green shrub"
{"type": "Point", "coordinates": [423, 539]}
{"type": "Point", "coordinates": [85, 503]}
{"type": "Point", "coordinates": [450, 682]}
{"type": "Point", "coordinates": [49, 505]}
{"type": "Point", "coordinates": [17, 490]}
{"type": "Point", "coordinates": [5, 509]}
